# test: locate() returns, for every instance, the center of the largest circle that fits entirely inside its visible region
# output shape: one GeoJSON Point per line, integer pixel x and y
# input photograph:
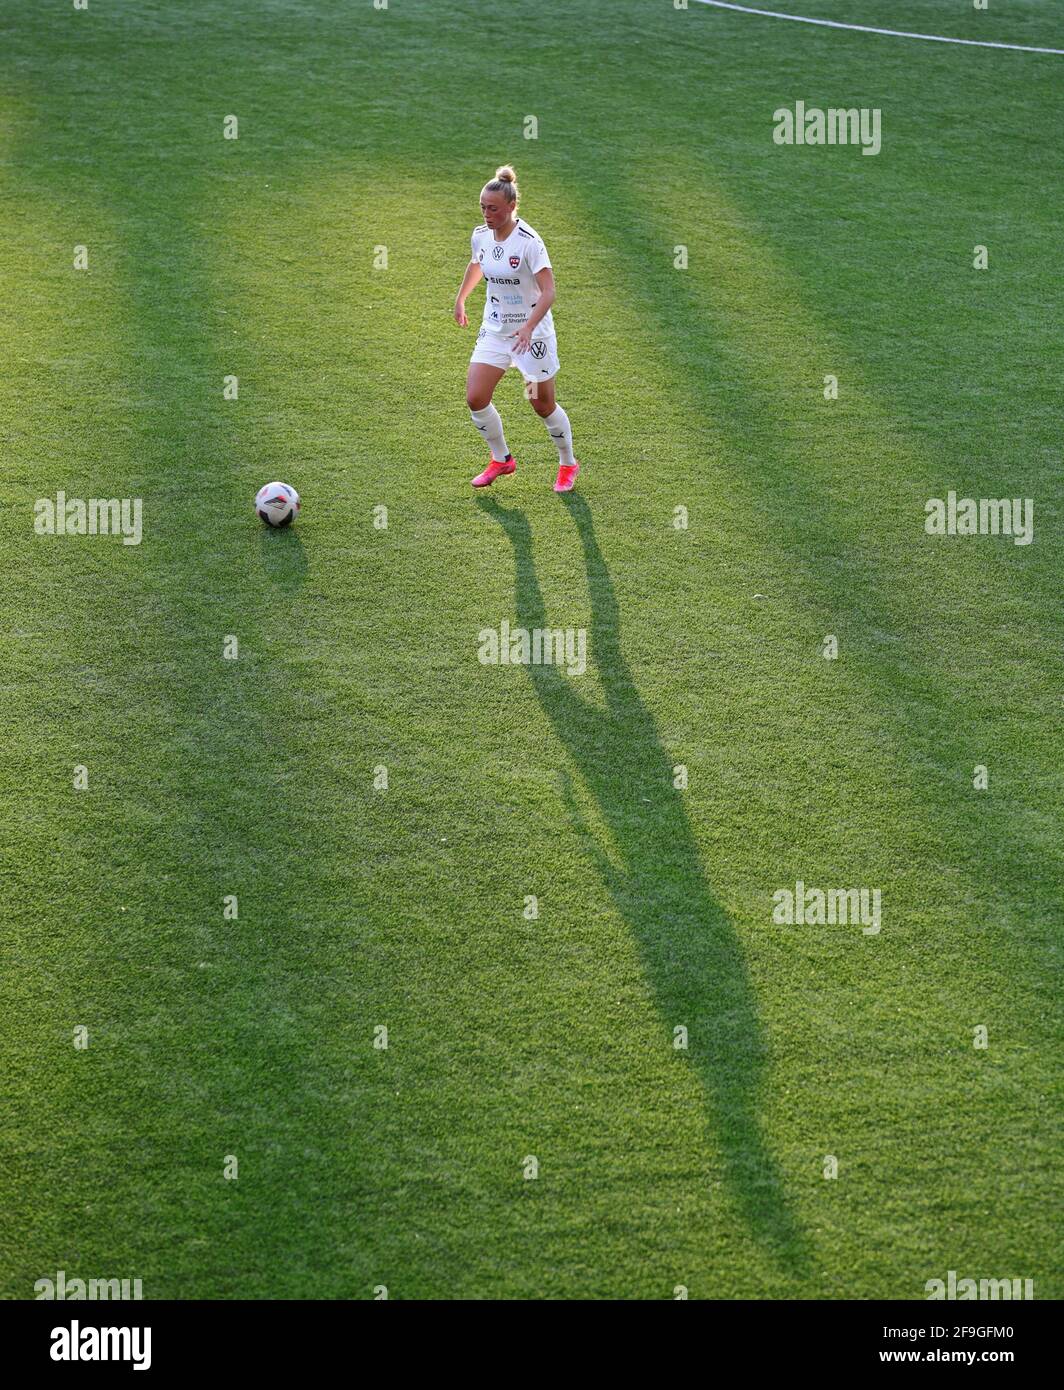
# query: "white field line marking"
{"type": "Point", "coordinates": [867, 29]}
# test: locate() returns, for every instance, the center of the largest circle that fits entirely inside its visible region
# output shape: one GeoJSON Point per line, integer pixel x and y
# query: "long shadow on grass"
{"type": "Point", "coordinates": [690, 951]}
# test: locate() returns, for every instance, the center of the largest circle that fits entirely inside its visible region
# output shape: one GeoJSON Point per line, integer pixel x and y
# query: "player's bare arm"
{"type": "Point", "coordinates": [473, 277]}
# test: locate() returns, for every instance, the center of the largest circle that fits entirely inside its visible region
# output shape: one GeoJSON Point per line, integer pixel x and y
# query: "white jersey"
{"type": "Point", "coordinates": [510, 289]}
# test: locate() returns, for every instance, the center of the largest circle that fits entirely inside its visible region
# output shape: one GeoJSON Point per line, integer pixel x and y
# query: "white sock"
{"type": "Point", "coordinates": [560, 430]}
{"type": "Point", "coordinates": [489, 422]}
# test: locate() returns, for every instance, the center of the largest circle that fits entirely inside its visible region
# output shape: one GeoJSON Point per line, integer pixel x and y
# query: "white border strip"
{"type": "Point", "coordinates": [866, 29]}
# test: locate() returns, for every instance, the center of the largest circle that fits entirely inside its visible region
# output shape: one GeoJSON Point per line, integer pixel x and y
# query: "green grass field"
{"type": "Point", "coordinates": [510, 1037]}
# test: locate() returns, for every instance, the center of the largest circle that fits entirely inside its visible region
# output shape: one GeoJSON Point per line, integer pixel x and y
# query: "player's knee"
{"type": "Point", "coordinates": [476, 400]}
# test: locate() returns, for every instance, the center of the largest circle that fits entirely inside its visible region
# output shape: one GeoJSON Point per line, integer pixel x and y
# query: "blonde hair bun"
{"type": "Point", "coordinates": [504, 182]}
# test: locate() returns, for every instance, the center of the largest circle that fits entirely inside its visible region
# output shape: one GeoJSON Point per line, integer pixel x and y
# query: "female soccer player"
{"type": "Point", "coordinates": [517, 330]}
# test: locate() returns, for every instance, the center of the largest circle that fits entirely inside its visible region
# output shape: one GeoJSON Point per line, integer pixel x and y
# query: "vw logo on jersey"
{"type": "Point", "coordinates": [515, 261]}
{"type": "Point", "coordinates": [538, 349]}
{"type": "Point", "coordinates": [496, 253]}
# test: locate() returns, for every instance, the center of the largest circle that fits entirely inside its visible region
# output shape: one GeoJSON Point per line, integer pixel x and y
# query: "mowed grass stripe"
{"type": "Point", "coordinates": [73, 692]}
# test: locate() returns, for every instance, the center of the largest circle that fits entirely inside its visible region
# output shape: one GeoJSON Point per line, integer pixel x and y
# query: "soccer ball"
{"type": "Point", "coordinates": [277, 504]}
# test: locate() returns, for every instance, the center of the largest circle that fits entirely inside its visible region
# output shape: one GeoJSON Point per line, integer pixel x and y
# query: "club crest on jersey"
{"type": "Point", "coordinates": [515, 261]}
{"type": "Point", "coordinates": [496, 252]}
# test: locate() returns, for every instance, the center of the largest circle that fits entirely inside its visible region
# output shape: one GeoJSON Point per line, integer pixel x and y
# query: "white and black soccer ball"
{"type": "Point", "coordinates": [277, 504]}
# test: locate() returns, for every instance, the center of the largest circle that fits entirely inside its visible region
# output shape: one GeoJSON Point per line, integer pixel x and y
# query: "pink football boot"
{"type": "Point", "coordinates": [495, 470]}
{"type": "Point", "coordinates": [566, 476]}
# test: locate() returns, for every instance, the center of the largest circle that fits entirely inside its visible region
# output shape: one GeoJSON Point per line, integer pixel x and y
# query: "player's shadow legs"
{"type": "Point", "coordinates": [689, 948]}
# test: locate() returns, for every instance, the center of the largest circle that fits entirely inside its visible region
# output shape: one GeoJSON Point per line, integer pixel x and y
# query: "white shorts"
{"type": "Point", "coordinates": [540, 363]}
